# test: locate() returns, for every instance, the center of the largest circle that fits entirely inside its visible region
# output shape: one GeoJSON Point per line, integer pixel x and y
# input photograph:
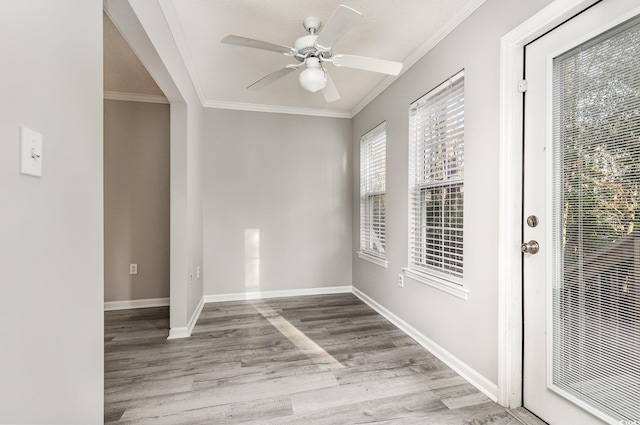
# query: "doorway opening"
{"type": "Point", "coordinates": [136, 180]}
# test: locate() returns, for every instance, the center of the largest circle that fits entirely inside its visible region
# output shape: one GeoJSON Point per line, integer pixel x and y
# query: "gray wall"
{"type": "Point", "coordinates": [51, 228]}
{"type": "Point", "coordinates": [136, 196]}
{"type": "Point", "coordinates": [467, 329]}
{"type": "Point", "coordinates": [288, 179]}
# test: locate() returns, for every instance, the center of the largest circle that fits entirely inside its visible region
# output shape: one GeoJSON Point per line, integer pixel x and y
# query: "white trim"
{"type": "Point", "coordinates": [510, 193]}
{"type": "Point", "coordinates": [128, 23]}
{"type": "Point", "coordinates": [419, 53]}
{"type": "Point", "coordinates": [242, 296]}
{"type": "Point", "coordinates": [171, 16]}
{"type": "Point", "coordinates": [510, 201]}
{"type": "Point", "coordinates": [131, 304]}
{"type": "Point", "coordinates": [373, 259]}
{"type": "Point", "coordinates": [196, 314]}
{"type": "Point", "coordinates": [254, 107]}
{"type": "Point", "coordinates": [444, 285]}
{"type": "Point", "coordinates": [135, 97]}
{"type": "Point", "coordinates": [483, 384]}
{"type": "Point", "coordinates": [185, 331]}
{"type": "Point", "coordinates": [179, 332]}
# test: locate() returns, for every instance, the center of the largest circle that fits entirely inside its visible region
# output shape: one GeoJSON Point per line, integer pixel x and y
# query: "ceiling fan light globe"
{"type": "Point", "coordinates": [313, 79]}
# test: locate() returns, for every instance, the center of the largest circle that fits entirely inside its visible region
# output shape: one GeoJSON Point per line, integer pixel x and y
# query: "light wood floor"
{"type": "Point", "coordinates": [326, 359]}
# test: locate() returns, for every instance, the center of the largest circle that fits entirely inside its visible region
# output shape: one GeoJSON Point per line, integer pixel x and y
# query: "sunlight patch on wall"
{"type": "Point", "coordinates": [252, 259]}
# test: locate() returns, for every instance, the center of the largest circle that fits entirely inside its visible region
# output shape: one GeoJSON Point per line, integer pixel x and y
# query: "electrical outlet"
{"type": "Point", "coordinates": [133, 269]}
{"type": "Point", "coordinates": [401, 281]}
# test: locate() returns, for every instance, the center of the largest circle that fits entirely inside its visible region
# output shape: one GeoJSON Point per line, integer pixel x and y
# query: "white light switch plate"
{"type": "Point", "coordinates": [30, 152]}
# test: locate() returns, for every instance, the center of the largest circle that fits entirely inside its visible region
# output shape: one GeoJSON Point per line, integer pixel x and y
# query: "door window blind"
{"type": "Point", "coordinates": [436, 173]}
{"type": "Point", "coordinates": [373, 154]}
{"type": "Point", "coordinates": [596, 223]}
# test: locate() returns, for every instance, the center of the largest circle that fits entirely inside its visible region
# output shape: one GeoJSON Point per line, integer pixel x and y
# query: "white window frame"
{"type": "Point", "coordinates": [373, 157]}
{"type": "Point", "coordinates": [446, 176]}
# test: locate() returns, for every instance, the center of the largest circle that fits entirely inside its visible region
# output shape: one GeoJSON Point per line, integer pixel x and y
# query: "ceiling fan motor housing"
{"type": "Point", "coordinates": [306, 47]}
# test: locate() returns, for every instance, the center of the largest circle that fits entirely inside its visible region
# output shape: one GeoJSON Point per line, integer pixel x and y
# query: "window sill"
{"type": "Point", "coordinates": [438, 283]}
{"type": "Point", "coordinates": [373, 259]}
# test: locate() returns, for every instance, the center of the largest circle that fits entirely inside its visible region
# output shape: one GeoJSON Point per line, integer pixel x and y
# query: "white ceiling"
{"type": "Point", "coordinates": [398, 30]}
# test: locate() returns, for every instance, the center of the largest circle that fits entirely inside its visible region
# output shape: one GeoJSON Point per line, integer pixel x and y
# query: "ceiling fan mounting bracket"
{"type": "Point", "coordinates": [312, 24]}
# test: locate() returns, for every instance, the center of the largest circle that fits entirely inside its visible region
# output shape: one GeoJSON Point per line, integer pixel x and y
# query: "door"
{"type": "Point", "coordinates": [581, 255]}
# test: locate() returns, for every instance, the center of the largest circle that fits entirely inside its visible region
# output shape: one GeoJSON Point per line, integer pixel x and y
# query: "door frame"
{"type": "Point", "coordinates": [510, 325]}
{"type": "Point", "coordinates": [137, 22]}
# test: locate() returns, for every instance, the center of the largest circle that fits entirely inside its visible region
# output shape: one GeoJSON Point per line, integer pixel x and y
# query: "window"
{"type": "Point", "coordinates": [373, 147]}
{"type": "Point", "coordinates": [436, 179]}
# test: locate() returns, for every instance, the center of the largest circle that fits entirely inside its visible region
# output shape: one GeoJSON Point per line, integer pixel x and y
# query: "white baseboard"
{"type": "Point", "coordinates": [194, 317]}
{"type": "Point", "coordinates": [131, 304]}
{"type": "Point", "coordinates": [487, 387]}
{"type": "Point", "coordinates": [185, 331]}
{"type": "Point", "coordinates": [179, 332]}
{"type": "Point", "coordinates": [243, 296]}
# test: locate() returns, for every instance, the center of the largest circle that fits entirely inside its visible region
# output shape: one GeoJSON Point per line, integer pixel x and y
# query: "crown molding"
{"type": "Point", "coordinates": [419, 53]}
{"type": "Point", "coordinates": [135, 97]}
{"type": "Point", "coordinates": [254, 107]}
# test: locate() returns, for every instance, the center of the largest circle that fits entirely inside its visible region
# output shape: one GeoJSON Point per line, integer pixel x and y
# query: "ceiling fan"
{"type": "Point", "coordinates": [314, 50]}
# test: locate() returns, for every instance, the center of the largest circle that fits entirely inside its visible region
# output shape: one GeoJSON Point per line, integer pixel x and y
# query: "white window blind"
{"type": "Point", "coordinates": [436, 174]}
{"type": "Point", "coordinates": [373, 147]}
{"type": "Point", "coordinates": [596, 223]}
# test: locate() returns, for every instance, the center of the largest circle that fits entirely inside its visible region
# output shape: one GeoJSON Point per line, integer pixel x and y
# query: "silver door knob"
{"type": "Point", "coordinates": [531, 247]}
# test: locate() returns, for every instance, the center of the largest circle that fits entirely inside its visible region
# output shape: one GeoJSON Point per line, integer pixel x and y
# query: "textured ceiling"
{"type": "Point", "coordinates": [123, 71]}
{"type": "Point", "coordinates": [398, 30]}
{"type": "Point", "coordinates": [392, 30]}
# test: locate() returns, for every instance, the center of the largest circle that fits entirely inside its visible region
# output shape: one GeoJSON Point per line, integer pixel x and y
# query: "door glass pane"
{"type": "Point", "coordinates": [596, 223]}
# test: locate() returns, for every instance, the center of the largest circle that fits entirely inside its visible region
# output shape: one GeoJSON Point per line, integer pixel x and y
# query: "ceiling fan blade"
{"type": "Point", "coordinates": [342, 20]}
{"type": "Point", "coordinates": [272, 78]}
{"type": "Point", "coordinates": [258, 44]}
{"type": "Point", "coordinates": [330, 91]}
{"type": "Point", "coordinates": [368, 64]}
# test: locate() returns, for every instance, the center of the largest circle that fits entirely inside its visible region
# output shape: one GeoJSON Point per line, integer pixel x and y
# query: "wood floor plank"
{"type": "Point", "coordinates": [202, 397]}
{"type": "Point", "coordinates": [326, 359]}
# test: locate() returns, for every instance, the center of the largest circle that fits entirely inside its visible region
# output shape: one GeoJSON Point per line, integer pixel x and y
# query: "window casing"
{"type": "Point", "coordinates": [436, 184]}
{"type": "Point", "coordinates": [373, 146]}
